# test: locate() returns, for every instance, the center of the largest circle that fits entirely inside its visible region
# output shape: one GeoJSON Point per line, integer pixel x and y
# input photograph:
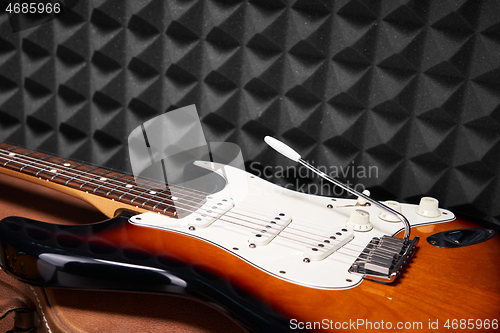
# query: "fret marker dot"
{"type": "Point", "coordinates": [67, 164]}
{"type": "Point", "coordinates": [103, 179]}
{"type": "Point", "coordinates": [12, 154]}
{"type": "Point", "coordinates": [129, 186]}
{"type": "Point", "coordinates": [175, 198]}
{"type": "Point", "coordinates": [53, 171]}
{"type": "Point", "coordinates": [152, 192]}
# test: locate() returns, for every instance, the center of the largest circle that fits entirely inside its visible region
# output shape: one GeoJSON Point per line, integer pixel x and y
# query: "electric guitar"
{"type": "Point", "coordinates": [275, 260]}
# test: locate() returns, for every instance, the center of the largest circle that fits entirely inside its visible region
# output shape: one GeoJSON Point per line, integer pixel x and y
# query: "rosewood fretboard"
{"type": "Point", "coordinates": [97, 185]}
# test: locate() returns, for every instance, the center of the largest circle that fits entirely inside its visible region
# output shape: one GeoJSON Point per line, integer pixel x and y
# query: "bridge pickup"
{"type": "Point", "coordinates": [268, 232]}
{"type": "Point", "coordinates": [331, 243]}
{"type": "Point", "coordinates": [212, 210]}
{"type": "Point", "coordinates": [383, 259]}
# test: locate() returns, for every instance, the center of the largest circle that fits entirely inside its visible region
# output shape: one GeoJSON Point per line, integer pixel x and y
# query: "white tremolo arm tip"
{"type": "Point", "coordinates": [282, 148]}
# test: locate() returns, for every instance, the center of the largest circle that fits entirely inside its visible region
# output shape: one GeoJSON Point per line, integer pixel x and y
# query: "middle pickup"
{"type": "Point", "coordinates": [330, 243]}
{"type": "Point", "coordinates": [270, 230]}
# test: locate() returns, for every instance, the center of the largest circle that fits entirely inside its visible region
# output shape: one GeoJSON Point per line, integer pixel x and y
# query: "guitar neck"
{"type": "Point", "coordinates": [107, 190]}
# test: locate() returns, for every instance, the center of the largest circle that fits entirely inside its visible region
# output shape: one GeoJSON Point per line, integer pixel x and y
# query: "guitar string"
{"type": "Point", "coordinates": [232, 222]}
{"type": "Point", "coordinates": [83, 175]}
{"type": "Point", "coordinates": [141, 193]}
{"type": "Point", "coordinates": [292, 239]}
{"type": "Point", "coordinates": [61, 174]}
{"type": "Point", "coordinates": [21, 157]}
{"type": "Point", "coordinates": [192, 191]}
{"type": "Point", "coordinates": [266, 221]}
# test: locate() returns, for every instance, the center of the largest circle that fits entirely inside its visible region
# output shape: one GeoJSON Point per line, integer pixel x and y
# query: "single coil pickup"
{"type": "Point", "coordinates": [328, 245]}
{"type": "Point", "coordinates": [274, 226]}
{"type": "Point", "coordinates": [383, 259]}
{"type": "Point", "coordinates": [211, 211]}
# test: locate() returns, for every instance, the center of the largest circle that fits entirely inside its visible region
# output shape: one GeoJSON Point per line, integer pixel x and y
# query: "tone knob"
{"type": "Point", "coordinates": [386, 216]}
{"type": "Point", "coordinates": [428, 207]}
{"type": "Point", "coordinates": [362, 201]}
{"type": "Point", "coordinates": [359, 221]}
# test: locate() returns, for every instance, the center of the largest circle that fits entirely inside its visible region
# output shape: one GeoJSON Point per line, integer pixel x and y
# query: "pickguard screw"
{"type": "Point", "coordinates": [192, 228]}
{"type": "Point", "coordinates": [306, 260]}
{"type": "Point", "coordinates": [329, 206]}
{"type": "Point", "coordinates": [252, 245]}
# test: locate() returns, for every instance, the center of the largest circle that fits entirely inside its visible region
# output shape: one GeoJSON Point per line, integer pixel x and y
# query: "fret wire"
{"type": "Point", "coordinates": [102, 174]}
{"type": "Point", "coordinates": [78, 175]}
{"type": "Point", "coordinates": [181, 196]}
{"type": "Point", "coordinates": [50, 165]}
{"type": "Point", "coordinates": [13, 148]}
{"type": "Point", "coordinates": [168, 206]}
{"type": "Point", "coordinates": [126, 183]}
{"type": "Point", "coordinates": [197, 193]}
{"type": "Point", "coordinates": [81, 174]}
{"type": "Point", "coordinates": [91, 179]}
{"type": "Point", "coordinates": [130, 189]}
{"type": "Point", "coordinates": [144, 192]}
{"type": "Point", "coordinates": [67, 169]}
{"type": "Point", "coordinates": [141, 195]}
{"type": "Point", "coordinates": [145, 202]}
{"type": "Point", "coordinates": [113, 179]}
{"type": "Point", "coordinates": [169, 196]}
{"type": "Point", "coordinates": [27, 165]}
{"type": "Point", "coordinates": [181, 208]}
{"type": "Point", "coordinates": [18, 156]}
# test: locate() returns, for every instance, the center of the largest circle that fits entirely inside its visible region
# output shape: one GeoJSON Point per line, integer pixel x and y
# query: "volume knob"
{"type": "Point", "coordinates": [386, 216]}
{"type": "Point", "coordinates": [428, 207]}
{"type": "Point", "coordinates": [359, 221]}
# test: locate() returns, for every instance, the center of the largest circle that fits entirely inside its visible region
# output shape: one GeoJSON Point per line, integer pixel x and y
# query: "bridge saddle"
{"type": "Point", "coordinates": [383, 259]}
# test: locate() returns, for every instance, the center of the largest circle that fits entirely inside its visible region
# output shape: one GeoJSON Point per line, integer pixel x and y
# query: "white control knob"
{"type": "Point", "coordinates": [386, 216]}
{"type": "Point", "coordinates": [428, 207]}
{"type": "Point", "coordinates": [359, 221]}
{"type": "Point", "coordinates": [362, 201]}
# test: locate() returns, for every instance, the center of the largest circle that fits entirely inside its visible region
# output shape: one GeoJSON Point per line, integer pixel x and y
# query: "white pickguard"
{"type": "Point", "coordinates": [256, 199]}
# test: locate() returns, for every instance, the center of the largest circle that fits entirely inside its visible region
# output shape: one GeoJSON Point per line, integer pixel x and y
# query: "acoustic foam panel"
{"type": "Point", "coordinates": [410, 89]}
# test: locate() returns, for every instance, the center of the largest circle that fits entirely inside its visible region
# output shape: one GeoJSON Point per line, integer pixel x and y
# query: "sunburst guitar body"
{"type": "Point", "coordinates": [274, 259]}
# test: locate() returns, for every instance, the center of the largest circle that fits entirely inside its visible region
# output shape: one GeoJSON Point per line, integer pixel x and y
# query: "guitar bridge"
{"type": "Point", "coordinates": [383, 259]}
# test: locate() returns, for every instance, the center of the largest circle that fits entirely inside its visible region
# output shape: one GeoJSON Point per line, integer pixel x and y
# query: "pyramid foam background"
{"type": "Point", "coordinates": [401, 97]}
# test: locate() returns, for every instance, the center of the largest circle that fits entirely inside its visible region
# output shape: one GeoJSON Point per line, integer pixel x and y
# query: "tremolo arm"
{"type": "Point", "coordinates": [382, 258]}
